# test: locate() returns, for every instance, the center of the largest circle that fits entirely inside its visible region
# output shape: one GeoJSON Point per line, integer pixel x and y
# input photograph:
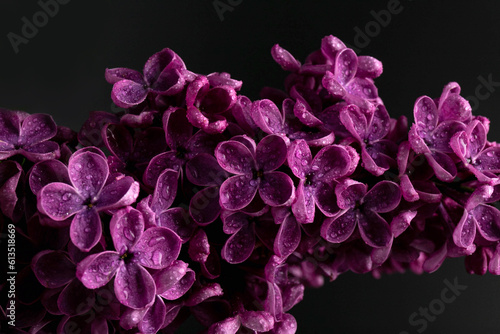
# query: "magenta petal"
{"type": "Point", "coordinates": [165, 190]}
{"type": "Point", "coordinates": [443, 166]}
{"type": "Point", "coordinates": [488, 221]}
{"type": "Point", "coordinates": [426, 115]}
{"type": "Point", "coordinates": [383, 197]}
{"type": "Point", "coordinates": [369, 67]}
{"type": "Point", "coordinates": [203, 293]}
{"type": "Point", "coordinates": [41, 151]}
{"type": "Point", "coordinates": [45, 172]}
{"type": "Point", "coordinates": [204, 206]}
{"type": "Point", "coordinates": [267, 116]}
{"type": "Point", "coordinates": [10, 126]}
{"type": "Point", "coordinates": [285, 59]}
{"type": "Point", "coordinates": [240, 245]}
{"type": "Point", "coordinates": [53, 269]}
{"type": "Point", "coordinates": [59, 201]}
{"type": "Point", "coordinates": [465, 232]}
{"type": "Point", "coordinates": [374, 229]}
{"type": "Point", "coordinates": [276, 188]}
{"type": "Point", "coordinates": [157, 248]}
{"type": "Point", "coordinates": [204, 170]}
{"type": "Point", "coordinates": [455, 107]}
{"type": "Point", "coordinates": [118, 193]}
{"type": "Point", "coordinates": [304, 205]}
{"type": "Point", "coordinates": [444, 132]}
{"type": "Point", "coordinates": [170, 82]}
{"type": "Point", "coordinates": [354, 121]}
{"type": "Point", "coordinates": [325, 198]}
{"type": "Point", "coordinates": [154, 317]}
{"type": "Point", "coordinates": [380, 123]}
{"type": "Point", "coordinates": [163, 60]}
{"type": "Point", "coordinates": [237, 192]}
{"type": "Point", "coordinates": [226, 326]}
{"type": "Point", "coordinates": [331, 162]}
{"type": "Point", "coordinates": [299, 158]}
{"type": "Point", "coordinates": [339, 229]}
{"type": "Point", "coordinates": [305, 115]}
{"type": "Point", "coordinates": [166, 160]}
{"type": "Point", "coordinates": [232, 222]}
{"type": "Point", "coordinates": [477, 138]}
{"type": "Point", "coordinates": [127, 93]}
{"type": "Point", "coordinates": [400, 223]}
{"type": "Point", "coordinates": [118, 140]}
{"type": "Point", "coordinates": [346, 63]}
{"type": "Point", "coordinates": [75, 299]}
{"type": "Point", "coordinates": [88, 172]}
{"type": "Point", "coordinates": [86, 229]}
{"type": "Point", "coordinates": [349, 193]}
{"type": "Point", "coordinates": [37, 128]}
{"type": "Point", "coordinates": [218, 100]}
{"type": "Point", "coordinates": [178, 130]}
{"type": "Point", "coordinates": [173, 282]}
{"type": "Point", "coordinates": [288, 325]}
{"type": "Point", "coordinates": [126, 227]}
{"type": "Point", "coordinates": [179, 221]}
{"type": "Point", "coordinates": [489, 160]}
{"type": "Point", "coordinates": [361, 88]}
{"type": "Point", "coordinates": [98, 269]}
{"type": "Point", "coordinates": [113, 75]}
{"type": "Point", "coordinates": [408, 191]}
{"type": "Point", "coordinates": [134, 286]}
{"type": "Point", "coordinates": [259, 321]}
{"type": "Point", "coordinates": [11, 173]}
{"type": "Point", "coordinates": [148, 144]}
{"type": "Point", "coordinates": [332, 85]}
{"type": "Point", "coordinates": [235, 157]}
{"type": "Point", "coordinates": [271, 153]}
{"type": "Point", "coordinates": [288, 237]}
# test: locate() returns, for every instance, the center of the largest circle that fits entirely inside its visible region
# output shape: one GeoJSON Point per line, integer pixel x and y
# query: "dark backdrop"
{"type": "Point", "coordinates": [423, 44]}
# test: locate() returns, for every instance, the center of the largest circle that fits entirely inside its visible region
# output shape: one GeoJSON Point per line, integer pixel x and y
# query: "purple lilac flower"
{"type": "Point", "coordinates": [255, 171]}
{"type": "Point", "coordinates": [162, 75]}
{"type": "Point", "coordinates": [361, 208]}
{"type": "Point", "coordinates": [11, 179]}
{"type": "Point", "coordinates": [435, 125]}
{"type": "Point", "coordinates": [90, 192]}
{"type": "Point", "coordinates": [318, 177]}
{"type": "Point", "coordinates": [28, 135]}
{"type": "Point", "coordinates": [136, 249]}
{"type": "Point", "coordinates": [470, 147]}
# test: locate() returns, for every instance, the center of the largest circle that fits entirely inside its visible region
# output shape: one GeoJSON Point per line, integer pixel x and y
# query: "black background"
{"type": "Point", "coordinates": [60, 71]}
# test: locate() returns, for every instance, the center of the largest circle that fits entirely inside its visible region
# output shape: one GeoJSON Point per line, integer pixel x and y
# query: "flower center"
{"type": "Point", "coordinates": [257, 174]}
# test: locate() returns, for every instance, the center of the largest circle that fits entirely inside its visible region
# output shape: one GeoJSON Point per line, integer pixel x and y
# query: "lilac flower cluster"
{"type": "Point", "coordinates": [197, 201]}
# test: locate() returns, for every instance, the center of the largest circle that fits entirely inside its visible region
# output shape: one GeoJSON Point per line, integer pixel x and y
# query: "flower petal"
{"type": "Point", "coordinates": [288, 237]}
{"type": "Point", "coordinates": [45, 172]}
{"type": "Point", "coordinates": [113, 75]}
{"type": "Point", "coordinates": [226, 326]}
{"type": "Point", "coordinates": [59, 201]}
{"type": "Point", "coordinates": [444, 132]}
{"type": "Point", "coordinates": [178, 130]}
{"type": "Point", "coordinates": [285, 59]}
{"type": "Point", "coordinates": [88, 172]}
{"type": "Point", "coordinates": [204, 170]}
{"type": "Point", "coordinates": [235, 157]}
{"type": "Point", "coordinates": [382, 197]}
{"type": "Point", "coordinates": [340, 228]}
{"type": "Point", "coordinates": [161, 162]}
{"type": "Point", "coordinates": [134, 286]}
{"type": "Point", "coordinates": [179, 221]}
{"type": "Point", "coordinates": [333, 87]}
{"type": "Point", "coordinates": [455, 107]}
{"type": "Point", "coordinates": [237, 192]}
{"type": "Point", "coordinates": [325, 198]}
{"type": "Point", "coordinates": [299, 158]}
{"type": "Point", "coordinates": [41, 151]}
{"type": "Point", "coordinates": [118, 193]}
{"type": "Point", "coordinates": [346, 64]}
{"type": "Point", "coordinates": [153, 319]}
{"type": "Point", "coordinates": [157, 248]}
{"type": "Point", "coordinates": [267, 116]}
{"type": "Point", "coordinates": [488, 221]}
{"type": "Point", "coordinates": [369, 67]}
{"type": "Point", "coordinates": [218, 100]}
{"type": "Point", "coordinates": [271, 153]}
{"type": "Point", "coordinates": [489, 160]}
{"type": "Point", "coordinates": [97, 270]}
{"type": "Point", "coordinates": [259, 321]}
{"type": "Point", "coordinates": [10, 126]}
{"type": "Point", "coordinates": [240, 245]}
{"type": "Point", "coordinates": [128, 93]}
{"type": "Point", "coordinates": [465, 231]}
{"type": "Point", "coordinates": [126, 227]}
{"type": "Point", "coordinates": [276, 188]}
{"type": "Point", "coordinates": [178, 286]}
{"type": "Point", "coordinates": [53, 269]}
{"type": "Point", "coordinates": [37, 128]}
{"type": "Point", "coordinates": [165, 190]}
{"type": "Point", "coordinates": [159, 62]}
{"type": "Point", "coordinates": [330, 163]}
{"type": "Point", "coordinates": [426, 115]}
{"type": "Point", "coordinates": [204, 206]}
{"type": "Point", "coordinates": [304, 205]}
{"type": "Point", "coordinates": [355, 122]}
{"type": "Point", "coordinates": [86, 229]}
{"type": "Point", "coordinates": [374, 229]}
{"type": "Point", "coordinates": [118, 140]}
{"type": "Point", "coordinates": [91, 132]}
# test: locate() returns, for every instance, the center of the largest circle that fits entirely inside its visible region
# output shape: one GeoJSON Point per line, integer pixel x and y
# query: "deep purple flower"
{"type": "Point", "coordinates": [203, 170]}
{"type": "Point", "coordinates": [183, 145]}
{"type": "Point", "coordinates": [478, 215]}
{"type": "Point", "coordinates": [369, 130]}
{"type": "Point", "coordinates": [136, 249]}
{"type": "Point", "coordinates": [89, 193]}
{"type": "Point", "coordinates": [28, 135]}
{"type": "Point", "coordinates": [317, 177]}
{"type": "Point", "coordinates": [361, 208]}
{"type": "Point", "coordinates": [435, 125]}
{"type": "Point", "coordinates": [162, 75]}
{"type": "Point", "coordinates": [205, 104]}
{"type": "Point", "coordinates": [11, 179]}
{"type": "Point", "coordinates": [255, 171]}
{"type": "Point", "coordinates": [90, 133]}
{"type": "Point", "coordinates": [470, 147]}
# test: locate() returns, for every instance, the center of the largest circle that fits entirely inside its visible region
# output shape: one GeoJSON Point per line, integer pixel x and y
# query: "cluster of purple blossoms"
{"type": "Point", "coordinates": [196, 201]}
